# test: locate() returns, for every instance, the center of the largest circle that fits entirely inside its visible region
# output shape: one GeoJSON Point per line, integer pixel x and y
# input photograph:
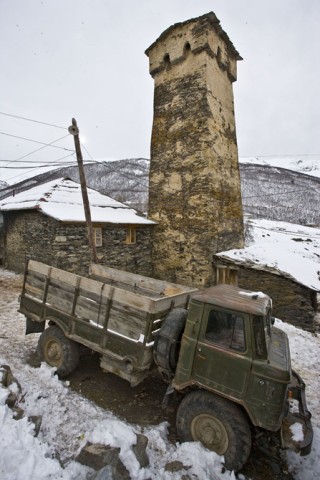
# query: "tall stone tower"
{"type": "Point", "coordinates": [194, 175]}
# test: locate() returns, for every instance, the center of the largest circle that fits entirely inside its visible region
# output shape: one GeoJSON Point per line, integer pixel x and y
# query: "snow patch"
{"type": "Point", "coordinates": [297, 432]}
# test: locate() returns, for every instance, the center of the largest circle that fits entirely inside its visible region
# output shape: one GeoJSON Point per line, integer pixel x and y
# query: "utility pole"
{"type": "Point", "coordinates": [74, 130]}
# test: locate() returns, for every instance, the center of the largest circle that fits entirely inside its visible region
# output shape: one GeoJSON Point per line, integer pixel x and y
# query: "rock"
{"type": "Point", "coordinates": [18, 413]}
{"type": "Point", "coordinates": [175, 466]}
{"type": "Point", "coordinates": [12, 400]}
{"type": "Point", "coordinates": [97, 456]}
{"type": "Point", "coordinates": [7, 378]}
{"type": "Point", "coordinates": [105, 460]}
{"type": "Point", "coordinates": [140, 450]}
{"type": "Point", "coordinates": [36, 420]}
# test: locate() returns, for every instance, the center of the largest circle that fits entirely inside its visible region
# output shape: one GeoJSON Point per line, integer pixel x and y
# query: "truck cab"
{"type": "Point", "coordinates": [231, 348]}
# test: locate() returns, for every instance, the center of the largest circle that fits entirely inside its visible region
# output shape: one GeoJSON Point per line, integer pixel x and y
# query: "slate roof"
{"type": "Point", "coordinates": [61, 199]}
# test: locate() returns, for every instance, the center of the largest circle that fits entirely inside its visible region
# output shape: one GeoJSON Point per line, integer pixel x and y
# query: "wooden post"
{"type": "Point", "coordinates": [74, 130]}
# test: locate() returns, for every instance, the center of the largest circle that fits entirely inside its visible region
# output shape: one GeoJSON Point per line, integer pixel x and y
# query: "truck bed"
{"type": "Point", "coordinates": [114, 312]}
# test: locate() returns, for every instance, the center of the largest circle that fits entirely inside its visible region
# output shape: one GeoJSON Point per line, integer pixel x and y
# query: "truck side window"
{"type": "Point", "coordinates": [226, 330]}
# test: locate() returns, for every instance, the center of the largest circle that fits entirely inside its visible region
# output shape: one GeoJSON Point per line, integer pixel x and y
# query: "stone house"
{"type": "Point", "coordinates": [292, 301]}
{"type": "Point", "coordinates": [282, 260]}
{"type": "Point", "coordinates": [47, 223]}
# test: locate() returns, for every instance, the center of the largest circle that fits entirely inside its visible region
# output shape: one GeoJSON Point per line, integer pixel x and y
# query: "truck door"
{"type": "Point", "coordinates": [223, 354]}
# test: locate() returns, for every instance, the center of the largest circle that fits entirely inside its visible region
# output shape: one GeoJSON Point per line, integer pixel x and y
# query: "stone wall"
{"type": "Point", "coordinates": [292, 302]}
{"type": "Point", "coordinates": [194, 192]}
{"type": "Point", "coordinates": [31, 234]}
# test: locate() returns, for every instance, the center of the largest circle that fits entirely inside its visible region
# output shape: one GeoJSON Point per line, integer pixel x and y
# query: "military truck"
{"type": "Point", "coordinates": [217, 349]}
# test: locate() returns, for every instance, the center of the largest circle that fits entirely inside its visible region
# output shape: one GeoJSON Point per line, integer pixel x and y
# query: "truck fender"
{"type": "Point", "coordinates": [34, 327]}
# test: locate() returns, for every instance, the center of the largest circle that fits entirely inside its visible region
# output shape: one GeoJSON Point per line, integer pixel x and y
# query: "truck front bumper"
{"type": "Point", "coordinates": [298, 414]}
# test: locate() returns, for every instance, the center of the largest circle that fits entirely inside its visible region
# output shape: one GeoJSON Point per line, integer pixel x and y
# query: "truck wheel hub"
{"type": "Point", "coordinates": [54, 353]}
{"type": "Point", "coordinates": [211, 432]}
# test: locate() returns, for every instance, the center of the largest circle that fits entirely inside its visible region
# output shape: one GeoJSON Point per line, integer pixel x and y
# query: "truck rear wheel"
{"type": "Point", "coordinates": [58, 351]}
{"type": "Point", "coordinates": [167, 343]}
{"type": "Point", "coordinates": [218, 424]}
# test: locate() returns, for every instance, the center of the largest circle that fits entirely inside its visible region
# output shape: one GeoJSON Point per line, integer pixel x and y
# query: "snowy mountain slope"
{"type": "Point", "coordinates": [286, 189]}
{"type": "Point", "coordinates": [309, 165]}
{"type": "Point", "coordinates": [280, 194]}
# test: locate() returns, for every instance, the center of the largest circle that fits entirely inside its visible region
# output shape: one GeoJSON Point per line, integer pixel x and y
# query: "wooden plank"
{"type": "Point", "coordinates": [123, 329]}
{"type": "Point", "coordinates": [93, 286]}
{"type": "Point", "coordinates": [63, 276]}
{"type": "Point", "coordinates": [36, 281]}
{"type": "Point", "coordinates": [60, 299]}
{"type": "Point", "coordinates": [32, 291]}
{"type": "Point", "coordinates": [138, 281]}
{"type": "Point", "coordinates": [132, 321]}
{"type": "Point", "coordinates": [127, 287]}
{"type": "Point", "coordinates": [38, 267]}
{"type": "Point", "coordinates": [89, 310]}
{"type": "Point", "coordinates": [35, 284]}
{"type": "Point", "coordinates": [64, 287]}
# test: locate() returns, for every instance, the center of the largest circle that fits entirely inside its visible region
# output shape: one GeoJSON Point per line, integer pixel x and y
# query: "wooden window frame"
{"type": "Point", "coordinates": [131, 235]}
{"type": "Point", "coordinates": [98, 236]}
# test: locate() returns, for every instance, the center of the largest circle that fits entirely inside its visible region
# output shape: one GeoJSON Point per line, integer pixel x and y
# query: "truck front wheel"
{"type": "Point", "coordinates": [58, 351]}
{"type": "Point", "coordinates": [218, 424]}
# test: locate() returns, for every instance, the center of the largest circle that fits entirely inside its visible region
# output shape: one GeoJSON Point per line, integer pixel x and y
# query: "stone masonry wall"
{"type": "Point", "coordinates": [33, 235]}
{"type": "Point", "coordinates": [194, 192]}
{"type": "Point", "coordinates": [292, 302]}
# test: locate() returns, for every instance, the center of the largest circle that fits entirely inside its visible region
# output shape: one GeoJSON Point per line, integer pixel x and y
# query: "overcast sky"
{"type": "Point", "coordinates": [85, 59]}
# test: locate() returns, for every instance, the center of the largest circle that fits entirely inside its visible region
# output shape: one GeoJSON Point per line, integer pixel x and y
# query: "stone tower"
{"type": "Point", "coordinates": [194, 184]}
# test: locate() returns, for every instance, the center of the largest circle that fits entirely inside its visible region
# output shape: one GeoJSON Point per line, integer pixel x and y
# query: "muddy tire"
{"type": "Point", "coordinates": [221, 426]}
{"type": "Point", "coordinates": [167, 343]}
{"type": "Point", "coordinates": [57, 350]}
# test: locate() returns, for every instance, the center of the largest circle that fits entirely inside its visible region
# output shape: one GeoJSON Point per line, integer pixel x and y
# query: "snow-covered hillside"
{"type": "Point", "coordinates": [309, 165]}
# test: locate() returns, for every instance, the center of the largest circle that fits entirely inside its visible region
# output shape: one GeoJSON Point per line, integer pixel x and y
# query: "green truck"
{"type": "Point", "coordinates": [217, 349]}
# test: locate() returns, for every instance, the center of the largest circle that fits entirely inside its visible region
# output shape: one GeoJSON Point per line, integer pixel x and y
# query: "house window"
{"type": "Point", "coordinates": [131, 235]}
{"type": "Point", "coordinates": [98, 237]}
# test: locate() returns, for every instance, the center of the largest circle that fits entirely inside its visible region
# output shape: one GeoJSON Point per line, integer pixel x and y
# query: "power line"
{"type": "Point", "coordinates": [36, 141]}
{"type": "Point", "coordinates": [37, 150]}
{"type": "Point", "coordinates": [42, 165]}
{"type": "Point", "coordinates": [25, 162]}
{"type": "Point", "coordinates": [31, 120]}
{"type": "Point", "coordinates": [276, 194]}
{"type": "Point", "coordinates": [16, 176]}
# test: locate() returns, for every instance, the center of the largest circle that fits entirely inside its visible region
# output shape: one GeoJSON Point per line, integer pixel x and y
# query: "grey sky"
{"type": "Point", "coordinates": [85, 59]}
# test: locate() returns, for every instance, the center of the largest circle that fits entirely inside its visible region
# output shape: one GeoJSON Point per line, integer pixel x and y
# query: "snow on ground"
{"type": "Point", "coordinates": [286, 248]}
{"type": "Point", "coordinates": [309, 165]}
{"type": "Point", "coordinates": [69, 420]}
